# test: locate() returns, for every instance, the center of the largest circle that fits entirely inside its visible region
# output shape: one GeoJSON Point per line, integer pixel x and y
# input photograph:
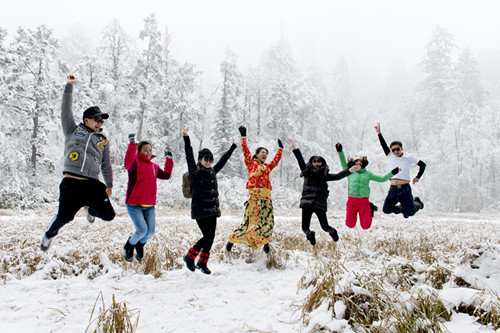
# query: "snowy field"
{"type": "Point", "coordinates": [434, 272]}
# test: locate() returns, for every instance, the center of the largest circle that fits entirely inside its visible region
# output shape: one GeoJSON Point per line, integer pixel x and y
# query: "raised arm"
{"type": "Point", "coordinates": [67, 119]}
{"type": "Point", "coordinates": [277, 157]}
{"type": "Point", "coordinates": [246, 152]}
{"type": "Point", "coordinates": [384, 145]}
{"type": "Point", "coordinates": [167, 169]}
{"type": "Point", "coordinates": [224, 158]}
{"type": "Point", "coordinates": [189, 152]}
{"type": "Point", "coordinates": [342, 159]}
{"type": "Point", "coordinates": [298, 155]}
{"type": "Point", "coordinates": [337, 176]}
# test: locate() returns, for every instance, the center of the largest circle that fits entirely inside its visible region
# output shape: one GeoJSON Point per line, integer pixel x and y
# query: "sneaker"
{"type": "Point", "coordinates": [90, 218]}
{"type": "Point", "coordinates": [419, 202]}
{"type": "Point", "coordinates": [266, 248]}
{"type": "Point", "coordinates": [44, 246]}
{"type": "Point", "coordinates": [229, 246]}
{"type": "Point", "coordinates": [311, 237]}
{"type": "Point", "coordinates": [335, 235]}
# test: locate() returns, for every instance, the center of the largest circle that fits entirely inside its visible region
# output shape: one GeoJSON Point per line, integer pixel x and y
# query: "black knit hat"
{"type": "Point", "coordinates": [205, 152]}
{"type": "Point", "coordinates": [94, 111]}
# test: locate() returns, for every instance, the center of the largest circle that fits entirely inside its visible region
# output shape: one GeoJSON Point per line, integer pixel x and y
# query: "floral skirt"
{"type": "Point", "coordinates": [258, 224]}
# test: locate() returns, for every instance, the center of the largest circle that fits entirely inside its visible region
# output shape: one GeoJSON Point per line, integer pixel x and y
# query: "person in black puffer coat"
{"type": "Point", "coordinates": [205, 200]}
{"type": "Point", "coordinates": [315, 191]}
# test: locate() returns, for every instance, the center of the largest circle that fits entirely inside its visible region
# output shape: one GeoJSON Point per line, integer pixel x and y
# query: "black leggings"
{"type": "Point", "coordinates": [207, 226]}
{"type": "Point", "coordinates": [306, 219]}
{"type": "Point", "coordinates": [76, 193]}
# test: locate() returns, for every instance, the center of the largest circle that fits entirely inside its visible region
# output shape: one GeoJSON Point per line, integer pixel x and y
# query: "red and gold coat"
{"type": "Point", "coordinates": [258, 172]}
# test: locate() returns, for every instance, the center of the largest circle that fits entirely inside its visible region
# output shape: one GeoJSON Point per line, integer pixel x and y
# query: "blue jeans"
{"type": "Point", "coordinates": [402, 194]}
{"type": "Point", "coordinates": [144, 222]}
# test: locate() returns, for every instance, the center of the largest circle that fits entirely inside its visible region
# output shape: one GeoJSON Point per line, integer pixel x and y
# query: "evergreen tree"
{"type": "Point", "coordinates": [229, 111]}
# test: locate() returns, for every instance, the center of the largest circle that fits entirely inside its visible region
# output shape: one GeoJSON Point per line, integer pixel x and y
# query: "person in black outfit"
{"type": "Point", "coordinates": [205, 200]}
{"type": "Point", "coordinates": [315, 191]}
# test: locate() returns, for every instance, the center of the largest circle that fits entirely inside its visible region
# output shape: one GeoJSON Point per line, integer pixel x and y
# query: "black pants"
{"type": "Point", "coordinates": [207, 226]}
{"type": "Point", "coordinates": [73, 195]}
{"type": "Point", "coordinates": [306, 219]}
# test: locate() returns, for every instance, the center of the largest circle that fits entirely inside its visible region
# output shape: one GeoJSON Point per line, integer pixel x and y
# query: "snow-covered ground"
{"type": "Point", "coordinates": [454, 258]}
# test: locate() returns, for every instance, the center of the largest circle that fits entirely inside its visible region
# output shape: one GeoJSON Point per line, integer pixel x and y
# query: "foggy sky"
{"type": "Point", "coordinates": [370, 34]}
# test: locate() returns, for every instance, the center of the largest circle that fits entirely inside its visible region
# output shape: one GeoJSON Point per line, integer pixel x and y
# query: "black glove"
{"type": "Point", "coordinates": [243, 130]}
{"type": "Point", "coordinates": [338, 146]}
{"type": "Point", "coordinates": [395, 171]}
{"type": "Point", "coordinates": [280, 144]}
{"type": "Point", "coordinates": [168, 153]}
{"type": "Point", "coordinates": [131, 137]}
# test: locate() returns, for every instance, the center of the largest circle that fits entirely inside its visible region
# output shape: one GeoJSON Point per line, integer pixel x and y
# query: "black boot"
{"type": "Point", "coordinates": [311, 237]}
{"type": "Point", "coordinates": [333, 233]}
{"type": "Point", "coordinates": [139, 251]}
{"type": "Point", "coordinates": [418, 203]}
{"type": "Point", "coordinates": [229, 246]}
{"type": "Point", "coordinates": [189, 259]}
{"type": "Point", "coordinates": [128, 251]}
{"type": "Point", "coordinates": [373, 209]}
{"type": "Point", "coordinates": [202, 263]}
{"type": "Point", "coordinates": [266, 248]}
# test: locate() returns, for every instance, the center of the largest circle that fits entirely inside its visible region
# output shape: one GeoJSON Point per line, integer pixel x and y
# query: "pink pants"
{"type": "Point", "coordinates": [355, 205]}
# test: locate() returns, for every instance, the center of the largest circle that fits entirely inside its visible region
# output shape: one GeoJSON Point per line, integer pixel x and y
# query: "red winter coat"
{"type": "Point", "coordinates": [142, 174]}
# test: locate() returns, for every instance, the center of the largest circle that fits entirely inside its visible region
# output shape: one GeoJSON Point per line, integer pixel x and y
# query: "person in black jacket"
{"type": "Point", "coordinates": [205, 200]}
{"type": "Point", "coordinates": [315, 191]}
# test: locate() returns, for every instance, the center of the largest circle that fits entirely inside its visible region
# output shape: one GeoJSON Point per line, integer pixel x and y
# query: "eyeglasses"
{"type": "Point", "coordinates": [395, 149]}
{"type": "Point", "coordinates": [98, 120]}
{"type": "Point", "coordinates": [208, 158]}
{"type": "Point", "coordinates": [316, 161]}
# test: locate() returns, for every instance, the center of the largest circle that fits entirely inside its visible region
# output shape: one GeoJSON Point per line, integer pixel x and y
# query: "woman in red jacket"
{"type": "Point", "coordinates": [141, 193]}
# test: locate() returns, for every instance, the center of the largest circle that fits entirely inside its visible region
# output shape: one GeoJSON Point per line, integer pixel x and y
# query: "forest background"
{"type": "Point", "coordinates": [445, 110]}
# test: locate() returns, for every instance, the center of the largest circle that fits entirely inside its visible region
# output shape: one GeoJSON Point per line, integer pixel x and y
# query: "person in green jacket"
{"type": "Point", "coordinates": [359, 189]}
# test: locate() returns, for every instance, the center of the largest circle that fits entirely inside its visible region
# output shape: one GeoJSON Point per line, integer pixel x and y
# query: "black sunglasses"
{"type": "Point", "coordinates": [98, 120]}
{"type": "Point", "coordinates": [316, 161]}
{"type": "Point", "coordinates": [208, 158]}
{"type": "Point", "coordinates": [395, 149]}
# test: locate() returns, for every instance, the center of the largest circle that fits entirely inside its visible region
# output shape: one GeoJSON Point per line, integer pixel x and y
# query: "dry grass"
{"type": "Point", "coordinates": [118, 318]}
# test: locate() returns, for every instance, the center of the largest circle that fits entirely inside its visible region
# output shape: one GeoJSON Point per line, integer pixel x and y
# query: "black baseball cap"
{"type": "Point", "coordinates": [94, 111]}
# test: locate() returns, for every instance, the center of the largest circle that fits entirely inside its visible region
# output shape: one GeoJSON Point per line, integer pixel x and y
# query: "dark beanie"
{"type": "Point", "coordinates": [204, 152]}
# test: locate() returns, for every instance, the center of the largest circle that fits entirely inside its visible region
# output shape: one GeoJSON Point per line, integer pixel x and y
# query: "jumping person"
{"type": "Point", "coordinates": [400, 190]}
{"type": "Point", "coordinates": [359, 189]}
{"type": "Point", "coordinates": [141, 193]}
{"type": "Point", "coordinates": [86, 152]}
{"type": "Point", "coordinates": [258, 223]}
{"type": "Point", "coordinates": [205, 200]}
{"type": "Point", "coordinates": [315, 191]}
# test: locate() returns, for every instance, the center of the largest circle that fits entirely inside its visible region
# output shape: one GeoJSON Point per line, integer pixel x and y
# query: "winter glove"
{"type": "Point", "coordinates": [243, 130]}
{"type": "Point", "coordinates": [131, 137]}
{"type": "Point", "coordinates": [168, 153]}
{"type": "Point", "coordinates": [395, 171]}
{"type": "Point", "coordinates": [339, 147]}
{"type": "Point", "coordinates": [280, 144]}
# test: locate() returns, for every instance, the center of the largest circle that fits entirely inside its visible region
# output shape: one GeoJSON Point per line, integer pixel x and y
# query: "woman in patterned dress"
{"type": "Point", "coordinates": [258, 224]}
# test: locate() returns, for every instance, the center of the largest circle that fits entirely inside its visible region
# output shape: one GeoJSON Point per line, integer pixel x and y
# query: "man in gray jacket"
{"type": "Point", "coordinates": [86, 153]}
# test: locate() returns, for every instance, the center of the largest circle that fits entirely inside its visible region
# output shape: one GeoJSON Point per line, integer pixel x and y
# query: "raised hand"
{"type": "Point", "coordinates": [168, 153]}
{"type": "Point", "coordinates": [71, 79]}
{"type": "Point", "coordinates": [234, 141]}
{"type": "Point", "coordinates": [291, 144]}
{"type": "Point", "coordinates": [243, 130]}
{"type": "Point", "coordinates": [377, 128]}
{"type": "Point", "coordinates": [338, 146]}
{"type": "Point", "coordinates": [185, 132]}
{"type": "Point", "coordinates": [131, 138]}
{"type": "Point", "coordinates": [280, 144]}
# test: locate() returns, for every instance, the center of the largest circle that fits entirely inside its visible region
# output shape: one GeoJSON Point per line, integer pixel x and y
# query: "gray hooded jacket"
{"type": "Point", "coordinates": [85, 152]}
